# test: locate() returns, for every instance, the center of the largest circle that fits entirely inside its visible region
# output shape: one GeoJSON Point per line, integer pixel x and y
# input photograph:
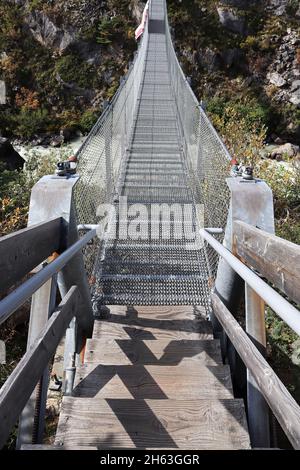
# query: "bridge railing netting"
{"type": "Point", "coordinates": [207, 158]}
{"type": "Point", "coordinates": [100, 158]}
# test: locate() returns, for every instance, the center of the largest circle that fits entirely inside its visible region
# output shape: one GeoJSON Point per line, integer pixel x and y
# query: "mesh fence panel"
{"type": "Point", "coordinates": [100, 158]}
{"type": "Point", "coordinates": [148, 93]}
{"type": "Point", "coordinates": [206, 155]}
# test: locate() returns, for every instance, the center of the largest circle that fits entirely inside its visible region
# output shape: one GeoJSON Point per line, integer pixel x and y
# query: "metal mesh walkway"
{"type": "Point", "coordinates": [155, 156]}
{"type": "Point", "coordinates": [156, 268]}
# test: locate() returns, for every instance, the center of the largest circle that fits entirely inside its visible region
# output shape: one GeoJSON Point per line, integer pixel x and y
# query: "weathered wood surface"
{"type": "Point", "coordinates": [258, 410]}
{"type": "Point", "coordinates": [284, 407]}
{"type": "Point", "coordinates": [163, 393]}
{"type": "Point", "coordinates": [153, 382]}
{"type": "Point", "coordinates": [17, 389]}
{"type": "Point", "coordinates": [154, 312]}
{"type": "Point", "coordinates": [22, 251]}
{"type": "Point", "coordinates": [278, 260]}
{"type": "Point", "coordinates": [152, 352]}
{"type": "Point", "coordinates": [152, 323]}
{"type": "Point", "coordinates": [166, 424]}
{"type": "Point", "coordinates": [189, 329]}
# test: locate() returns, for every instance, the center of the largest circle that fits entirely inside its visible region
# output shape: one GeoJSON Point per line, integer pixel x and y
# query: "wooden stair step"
{"type": "Point", "coordinates": [152, 352]}
{"type": "Point", "coordinates": [158, 312]}
{"type": "Point", "coordinates": [166, 329]}
{"type": "Point", "coordinates": [208, 424]}
{"type": "Point", "coordinates": [155, 382]}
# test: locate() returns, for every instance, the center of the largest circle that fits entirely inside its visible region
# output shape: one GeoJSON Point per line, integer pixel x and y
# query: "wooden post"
{"type": "Point", "coordinates": [18, 388]}
{"type": "Point", "coordinates": [251, 202]}
{"type": "Point", "coordinates": [52, 197]}
{"type": "Point", "coordinates": [31, 424]}
{"type": "Point", "coordinates": [258, 411]}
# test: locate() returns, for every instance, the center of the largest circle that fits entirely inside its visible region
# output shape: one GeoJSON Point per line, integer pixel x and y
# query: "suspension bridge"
{"type": "Point", "coordinates": [154, 356]}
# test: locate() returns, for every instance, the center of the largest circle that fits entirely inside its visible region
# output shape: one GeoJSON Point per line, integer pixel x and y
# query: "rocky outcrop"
{"type": "Point", "coordinates": [47, 33]}
{"type": "Point", "coordinates": [278, 7]}
{"type": "Point", "coordinates": [285, 151]}
{"type": "Point", "coordinates": [276, 79]}
{"type": "Point", "coordinates": [136, 8]}
{"type": "Point", "coordinates": [9, 156]}
{"type": "Point", "coordinates": [231, 20]}
{"type": "Point", "coordinates": [284, 71]}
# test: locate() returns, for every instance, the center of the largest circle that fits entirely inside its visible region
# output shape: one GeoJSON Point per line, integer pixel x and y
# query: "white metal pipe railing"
{"type": "Point", "coordinates": [17, 298]}
{"type": "Point", "coordinates": [289, 314]}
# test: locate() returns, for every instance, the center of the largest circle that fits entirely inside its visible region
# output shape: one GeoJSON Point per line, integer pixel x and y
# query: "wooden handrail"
{"type": "Point", "coordinates": [19, 386]}
{"type": "Point", "coordinates": [283, 405]}
{"type": "Point", "coordinates": [276, 259]}
{"type": "Point", "coordinates": [22, 251]}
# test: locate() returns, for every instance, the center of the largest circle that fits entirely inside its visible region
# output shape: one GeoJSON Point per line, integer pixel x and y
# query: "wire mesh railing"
{"type": "Point", "coordinates": [100, 157]}
{"type": "Point", "coordinates": [206, 156]}
{"type": "Point", "coordinates": [103, 156]}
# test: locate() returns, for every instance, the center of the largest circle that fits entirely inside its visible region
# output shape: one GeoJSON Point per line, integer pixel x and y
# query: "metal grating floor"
{"type": "Point", "coordinates": [154, 270]}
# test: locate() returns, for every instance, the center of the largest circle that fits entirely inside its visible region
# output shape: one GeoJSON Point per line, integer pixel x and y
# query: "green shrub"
{"type": "Point", "coordinates": [29, 122]}
{"type": "Point", "coordinates": [249, 109]}
{"type": "Point", "coordinates": [87, 120]}
{"type": "Point", "coordinates": [113, 28]}
{"type": "Point", "coordinates": [72, 69]}
{"type": "Point", "coordinates": [35, 4]}
{"type": "Point", "coordinates": [284, 180]}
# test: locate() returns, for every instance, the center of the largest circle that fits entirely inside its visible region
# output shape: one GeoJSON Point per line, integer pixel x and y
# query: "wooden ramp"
{"type": "Point", "coordinates": [153, 378]}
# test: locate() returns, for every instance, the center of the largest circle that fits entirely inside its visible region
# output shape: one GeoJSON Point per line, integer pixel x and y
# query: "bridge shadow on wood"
{"type": "Point", "coordinates": [139, 383]}
{"type": "Point", "coordinates": [196, 325]}
{"type": "Point", "coordinates": [141, 424]}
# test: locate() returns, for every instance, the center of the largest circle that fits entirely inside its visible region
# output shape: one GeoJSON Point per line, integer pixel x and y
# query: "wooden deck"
{"type": "Point", "coordinates": [152, 379]}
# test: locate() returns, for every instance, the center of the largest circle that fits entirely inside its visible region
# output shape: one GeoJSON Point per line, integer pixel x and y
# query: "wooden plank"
{"type": "Point", "coordinates": [17, 389]}
{"type": "Point", "coordinates": [156, 382]}
{"type": "Point", "coordinates": [284, 407]}
{"type": "Point", "coordinates": [155, 312]}
{"type": "Point", "coordinates": [43, 303]}
{"type": "Point", "coordinates": [22, 251]}
{"type": "Point", "coordinates": [166, 329]}
{"type": "Point", "coordinates": [152, 352]}
{"type": "Point", "coordinates": [278, 260]}
{"type": "Point", "coordinates": [152, 424]}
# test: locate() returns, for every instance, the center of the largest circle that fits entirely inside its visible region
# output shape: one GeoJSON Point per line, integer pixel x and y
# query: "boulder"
{"type": "Point", "coordinates": [57, 141]}
{"type": "Point", "coordinates": [8, 155]}
{"type": "Point", "coordinates": [231, 21]}
{"type": "Point", "coordinates": [295, 85]}
{"type": "Point", "coordinates": [276, 79]}
{"type": "Point", "coordinates": [286, 150]}
{"type": "Point", "coordinates": [278, 6]}
{"type": "Point", "coordinates": [294, 98]}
